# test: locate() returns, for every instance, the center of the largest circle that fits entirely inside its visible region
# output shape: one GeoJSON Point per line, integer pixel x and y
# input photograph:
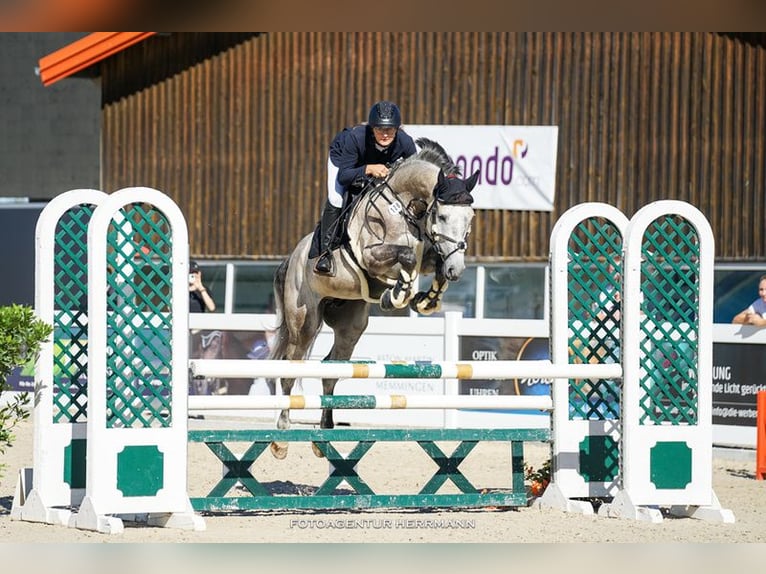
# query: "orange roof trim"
{"type": "Point", "coordinates": [86, 52]}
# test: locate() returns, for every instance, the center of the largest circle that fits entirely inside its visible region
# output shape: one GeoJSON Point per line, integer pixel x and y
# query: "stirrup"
{"type": "Point", "coordinates": [325, 264]}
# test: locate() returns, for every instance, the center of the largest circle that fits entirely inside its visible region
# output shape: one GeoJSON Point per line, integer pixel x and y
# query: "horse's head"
{"type": "Point", "coordinates": [449, 221]}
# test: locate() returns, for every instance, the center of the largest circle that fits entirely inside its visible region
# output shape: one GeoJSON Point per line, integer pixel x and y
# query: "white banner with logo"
{"type": "Point", "coordinates": [517, 164]}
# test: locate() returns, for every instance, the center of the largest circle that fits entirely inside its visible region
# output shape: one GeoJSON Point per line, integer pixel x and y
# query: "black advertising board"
{"type": "Point", "coordinates": [739, 372]}
{"type": "Point", "coordinates": [505, 349]}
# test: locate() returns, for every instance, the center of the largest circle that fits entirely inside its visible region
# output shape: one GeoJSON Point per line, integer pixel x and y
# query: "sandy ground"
{"type": "Point", "coordinates": [733, 479]}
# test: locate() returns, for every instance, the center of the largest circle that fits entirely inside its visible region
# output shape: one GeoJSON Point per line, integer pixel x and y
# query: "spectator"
{"type": "Point", "coordinates": [200, 299]}
{"type": "Point", "coordinates": [755, 314]}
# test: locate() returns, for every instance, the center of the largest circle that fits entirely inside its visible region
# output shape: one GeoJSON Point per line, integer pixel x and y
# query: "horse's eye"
{"type": "Point", "coordinates": [442, 218]}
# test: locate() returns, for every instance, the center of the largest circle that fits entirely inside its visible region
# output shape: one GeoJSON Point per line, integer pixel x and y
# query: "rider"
{"type": "Point", "coordinates": [356, 154]}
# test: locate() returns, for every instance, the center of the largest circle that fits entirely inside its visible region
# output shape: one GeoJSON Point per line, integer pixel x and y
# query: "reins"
{"type": "Point", "coordinates": [396, 206]}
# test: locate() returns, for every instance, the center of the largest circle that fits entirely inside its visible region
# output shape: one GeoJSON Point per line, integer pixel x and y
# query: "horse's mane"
{"type": "Point", "coordinates": [430, 152]}
{"type": "Point", "coordinates": [434, 153]}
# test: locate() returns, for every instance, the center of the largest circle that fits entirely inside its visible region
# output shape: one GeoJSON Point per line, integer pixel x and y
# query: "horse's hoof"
{"type": "Point", "coordinates": [385, 301]}
{"type": "Point", "coordinates": [279, 450]}
{"type": "Point", "coordinates": [318, 453]}
{"type": "Point", "coordinates": [430, 308]}
{"type": "Point", "coordinates": [423, 304]}
{"type": "Point", "coordinates": [417, 300]}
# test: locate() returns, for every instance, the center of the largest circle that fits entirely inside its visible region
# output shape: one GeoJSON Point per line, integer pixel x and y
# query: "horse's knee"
{"type": "Point", "coordinates": [407, 259]}
{"type": "Point", "coordinates": [378, 260]}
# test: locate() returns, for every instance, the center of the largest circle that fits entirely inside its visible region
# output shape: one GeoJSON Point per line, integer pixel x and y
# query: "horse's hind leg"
{"type": "Point", "coordinates": [308, 334]}
{"type": "Point", "coordinates": [279, 449]}
{"type": "Point", "coordinates": [348, 320]}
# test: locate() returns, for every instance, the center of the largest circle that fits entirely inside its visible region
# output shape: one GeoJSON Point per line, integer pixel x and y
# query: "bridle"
{"type": "Point", "coordinates": [433, 236]}
{"type": "Point", "coordinates": [414, 217]}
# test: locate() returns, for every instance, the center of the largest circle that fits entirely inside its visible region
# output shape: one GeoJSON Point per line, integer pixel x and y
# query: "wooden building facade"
{"type": "Point", "coordinates": [236, 127]}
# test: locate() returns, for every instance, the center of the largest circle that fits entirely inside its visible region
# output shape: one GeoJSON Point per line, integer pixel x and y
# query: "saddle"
{"type": "Point", "coordinates": [341, 233]}
{"type": "Point", "coordinates": [374, 287]}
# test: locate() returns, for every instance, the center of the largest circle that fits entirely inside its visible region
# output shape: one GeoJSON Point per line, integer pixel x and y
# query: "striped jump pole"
{"type": "Point", "coordinates": [478, 402]}
{"type": "Point", "coordinates": [245, 368]}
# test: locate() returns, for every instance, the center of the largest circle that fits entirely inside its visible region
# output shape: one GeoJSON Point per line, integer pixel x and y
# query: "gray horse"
{"type": "Point", "coordinates": [415, 222]}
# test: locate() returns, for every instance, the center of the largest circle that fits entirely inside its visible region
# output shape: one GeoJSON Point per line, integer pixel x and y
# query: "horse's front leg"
{"type": "Point", "coordinates": [380, 259]}
{"type": "Point", "coordinates": [428, 302]}
{"type": "Point", "coordinates": [400, 294]}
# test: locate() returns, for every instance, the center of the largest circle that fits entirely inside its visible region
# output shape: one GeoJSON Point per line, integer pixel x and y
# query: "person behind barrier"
{"type": "Point", "coordinates": [200, 298]}
{"type": "Point", "coordinates": [755, 314]}
{"type": "Point", "coordinates": [357, 154]}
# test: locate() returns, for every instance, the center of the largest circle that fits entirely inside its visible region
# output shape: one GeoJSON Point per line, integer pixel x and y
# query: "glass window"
{"type": "Point", "coordinates": [254, 287]}
{"type": "Point", "coordinates": [734, 290]}
{"type": "Point", "coordinates": [514, 291]}
{"type": "Point", "coordinates": [460, 296]}
{"type": "Point", "coordinates": [214, 278]}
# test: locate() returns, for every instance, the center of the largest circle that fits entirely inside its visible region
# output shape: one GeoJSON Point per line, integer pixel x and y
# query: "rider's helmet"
{"type": "Point", "coordinates": [385, 114]}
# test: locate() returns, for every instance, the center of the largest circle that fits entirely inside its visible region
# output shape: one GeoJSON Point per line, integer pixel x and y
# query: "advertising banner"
{"type": "Point", "coordinates": [738, 375]}
{"type": "Point", "coordinates": [516, 164]}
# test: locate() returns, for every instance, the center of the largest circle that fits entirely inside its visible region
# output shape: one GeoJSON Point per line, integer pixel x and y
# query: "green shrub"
{"type": "Point", "coordinates": [21, 334]}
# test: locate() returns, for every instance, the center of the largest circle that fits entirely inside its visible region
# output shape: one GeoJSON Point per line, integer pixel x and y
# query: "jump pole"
{"type": "Point", "coordinates": [498, 370]}
{"type": "Point", "coordinates": [387, 402]}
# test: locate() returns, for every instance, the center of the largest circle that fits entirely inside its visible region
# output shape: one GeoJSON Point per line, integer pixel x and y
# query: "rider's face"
{"type": "Point", "coordinates": [384, 136]}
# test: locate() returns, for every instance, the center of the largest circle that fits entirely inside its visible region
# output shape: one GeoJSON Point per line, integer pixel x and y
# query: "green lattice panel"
{"type": "Point", "coordinates": [70, 319]}
{"type": "Point", "coordinates": [594, 314]}
{"type": "Point", "coordinates": [670, 282]}
{"type": "Point", "coordinates": [139, 318]}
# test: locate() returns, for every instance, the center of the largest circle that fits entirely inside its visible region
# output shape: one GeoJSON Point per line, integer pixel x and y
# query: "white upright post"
{"type": "Point", "coordinates": [56, 481]}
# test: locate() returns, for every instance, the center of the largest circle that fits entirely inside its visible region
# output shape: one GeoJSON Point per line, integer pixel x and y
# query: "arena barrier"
{"type": "Point", "coordinates": [641, 443]}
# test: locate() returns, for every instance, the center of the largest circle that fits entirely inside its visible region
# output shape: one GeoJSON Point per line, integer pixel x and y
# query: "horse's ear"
{"type": "Point", "coordinates": [441, 184]}
{"type": "Point", "coordinates": [470, 183]}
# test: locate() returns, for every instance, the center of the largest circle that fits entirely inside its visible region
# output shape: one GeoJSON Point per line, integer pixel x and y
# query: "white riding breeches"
{"type": "Point", "coordinates": [334, 189]}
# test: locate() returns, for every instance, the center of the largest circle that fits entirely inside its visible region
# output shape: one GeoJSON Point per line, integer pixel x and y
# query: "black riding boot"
{"type": "Point", "coordinates": [328, 231]}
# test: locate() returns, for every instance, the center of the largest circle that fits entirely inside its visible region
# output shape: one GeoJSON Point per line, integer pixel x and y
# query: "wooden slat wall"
{"type": "Point", "coordinates": [235, 127]}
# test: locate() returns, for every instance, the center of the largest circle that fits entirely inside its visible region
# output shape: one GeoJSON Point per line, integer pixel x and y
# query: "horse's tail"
{"type": "Point", "coordinates": [281, 335]}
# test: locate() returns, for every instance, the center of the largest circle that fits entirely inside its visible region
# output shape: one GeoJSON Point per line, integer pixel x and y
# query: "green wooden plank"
{"type": "Point", "coordinates": [350, 501]}
{"type": "Point", "coordinates": [356, 435]}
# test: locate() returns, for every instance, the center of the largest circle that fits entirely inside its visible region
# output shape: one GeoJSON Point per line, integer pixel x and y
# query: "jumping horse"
{"type": "Point", "coordinates": [415, 222]}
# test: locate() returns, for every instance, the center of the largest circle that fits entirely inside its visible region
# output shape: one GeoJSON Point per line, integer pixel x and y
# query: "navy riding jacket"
{"type": "Point", "coordinates": [354, 148]}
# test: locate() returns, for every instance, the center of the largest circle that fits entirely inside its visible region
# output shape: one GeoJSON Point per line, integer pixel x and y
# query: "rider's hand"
{"type": "Point", "coordinates": [377, 170]}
